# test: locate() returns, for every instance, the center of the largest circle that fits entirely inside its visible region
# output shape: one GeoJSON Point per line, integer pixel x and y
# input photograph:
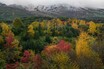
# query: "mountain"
{"type": "Point", "coordinates": [64, 10]}
{"type": "Point", "coordinates": [9, 12]}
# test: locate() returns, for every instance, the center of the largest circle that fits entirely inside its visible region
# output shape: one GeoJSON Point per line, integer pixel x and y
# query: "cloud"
{"type": "Point", "coordinates": [77, 3]}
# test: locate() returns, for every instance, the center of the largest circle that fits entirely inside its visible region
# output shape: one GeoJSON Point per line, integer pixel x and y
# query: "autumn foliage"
{"type": "Point", "coordinates": [12, 66]}
{"type": "Point", "coordinates": [62, 46]}
{"type": "Point", "coordinates": [9, 39]}
{"type": "Point", "coordinates": [52, 44]}
{"type": "Point", "coordinates": [26, 56]}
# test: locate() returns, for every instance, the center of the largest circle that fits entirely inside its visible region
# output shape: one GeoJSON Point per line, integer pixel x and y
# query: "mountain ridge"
{"type": "Point", "coordinates": [10, 12]}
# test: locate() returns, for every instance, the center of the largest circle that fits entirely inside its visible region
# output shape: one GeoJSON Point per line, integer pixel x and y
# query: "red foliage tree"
{"type": "Point", "coordinates": [26, 56]}
{"type": "Point", "coordinates": [63, 46]}
{"type": "Point", "coordinates": [38, 61]}
{"type": "Point", "coordinates": [12, 66]}
{"type": "Point", "coordinates": [9, 39]}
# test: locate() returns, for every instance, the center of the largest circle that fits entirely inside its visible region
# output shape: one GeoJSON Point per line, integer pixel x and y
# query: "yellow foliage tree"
{"type": "Point", "coordinates": [75, 26]}
{"type": "Point", "coordinates": [31, 30]}
{"type": "Point", "coordinates": [15, 43]}
{"type": "Point", "coordinates": [42, 24]}
{"type": "Point", "coordinates": [59, 22]}
{"type": "Point", "coordinates": [92, 27]}
{"type": "Point", "coordinates": [5, 29]}
{"type": "Point", "coordinates": [83, 44]}
{"type": "Point", "coordinates": [85, 55]}
{"type": "Point", "coordinates": [60, 61]}
{"type": "Point", "coordinates": [35, 25]}
{"type": "Point", "coordinates": [82, 22]}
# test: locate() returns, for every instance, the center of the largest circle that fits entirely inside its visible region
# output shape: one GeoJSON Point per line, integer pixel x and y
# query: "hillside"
{"type": "Point", "coordinates": [64, 10]}
{"type": "Point", "coordinates": [9, 13]}
{"type": "Point", "coordinates": [61, 10]}
{"type": "Point", "coordinates": [52, 44]}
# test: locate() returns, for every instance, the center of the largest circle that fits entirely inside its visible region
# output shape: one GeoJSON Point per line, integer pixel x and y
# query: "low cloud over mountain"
{"type": "Point", "coordinates": [76, 3]}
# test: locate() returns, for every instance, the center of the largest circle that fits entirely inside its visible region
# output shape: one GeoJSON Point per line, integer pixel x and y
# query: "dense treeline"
{"type": "Point", "coordinates": [39, 18]}
{"type": "Point", "coordinates": [52, 44]}
{"type": "Point", "coordinates": [28, 19]}
{"type": "Point", "coordinates": [95, 19]}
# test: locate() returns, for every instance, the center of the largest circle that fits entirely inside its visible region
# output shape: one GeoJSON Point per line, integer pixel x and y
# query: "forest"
{"type": "Point", "coordinates": [53, 43]}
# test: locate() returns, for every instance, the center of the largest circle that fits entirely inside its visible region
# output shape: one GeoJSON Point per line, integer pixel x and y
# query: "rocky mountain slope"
{"type": "Point", "coordinates": [8, 13]}
{"type": "Point", "coordinates": [61, 10]}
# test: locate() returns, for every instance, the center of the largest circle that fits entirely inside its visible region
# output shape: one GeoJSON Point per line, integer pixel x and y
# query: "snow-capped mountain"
{"type": "Point", "coordinates": [59, 10]}
{"type": "Point", "coordinates": [66, 10]}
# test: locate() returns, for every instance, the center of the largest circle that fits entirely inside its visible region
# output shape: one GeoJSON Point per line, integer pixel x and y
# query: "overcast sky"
{"type": "Point", "coordinates": [78, 3]}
